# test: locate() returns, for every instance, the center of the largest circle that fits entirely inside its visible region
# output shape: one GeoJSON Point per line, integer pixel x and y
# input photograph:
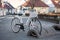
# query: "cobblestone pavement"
{"type": "Point", "coordinates": [7, 34]}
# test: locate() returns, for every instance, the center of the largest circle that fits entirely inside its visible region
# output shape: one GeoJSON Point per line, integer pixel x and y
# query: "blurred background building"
{"type": "Point", "coordinates": [42, 6]}
{"type": "Point", "coordinates": [0, 2]}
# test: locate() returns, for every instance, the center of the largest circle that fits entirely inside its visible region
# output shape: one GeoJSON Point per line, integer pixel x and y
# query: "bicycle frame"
{"type": "Point", "coordinates": [32, 15]}
{"type": "Point", "coordinates": [30, 23]}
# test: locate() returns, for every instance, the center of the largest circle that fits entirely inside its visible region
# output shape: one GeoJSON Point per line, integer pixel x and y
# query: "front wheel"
{"type": "Point", "coordinates": [35, 25]}
{"type": "Point", "coordinates": [15, 27]}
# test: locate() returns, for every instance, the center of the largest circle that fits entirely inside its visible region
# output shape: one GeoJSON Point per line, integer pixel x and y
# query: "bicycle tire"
{"type": "Point", "coordinates": [39, 24]}
{"type": "Point", "coordinates": [14, 25]}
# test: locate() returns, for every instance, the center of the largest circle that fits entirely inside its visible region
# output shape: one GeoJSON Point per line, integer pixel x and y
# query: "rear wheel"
{"type": "Point", "coordinates": [14, 23]}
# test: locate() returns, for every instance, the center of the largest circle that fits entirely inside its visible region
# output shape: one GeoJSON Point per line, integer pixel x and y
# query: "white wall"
{"type": "Point", "coordinates": [42, 9]}
{"type": "Point", "coordinates": [2, 12]}
{"type": "Point", "coordinates": [57, 10]}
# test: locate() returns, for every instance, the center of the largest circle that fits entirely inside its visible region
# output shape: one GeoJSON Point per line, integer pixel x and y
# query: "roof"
{"type": "Point", "coordinates": [56, 3]}
{"type": "Point", "coordinates": [56, 0]}
{"type": "Point", "coordinates": [38, 3]}
{"type": "Point", "coordinates": [8, 6]}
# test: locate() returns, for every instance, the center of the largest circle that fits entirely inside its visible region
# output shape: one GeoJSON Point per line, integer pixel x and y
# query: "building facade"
{"type": "Point", "coordinates": [57, 5]}
{"type": "Point", "coordinates": [39, 5]}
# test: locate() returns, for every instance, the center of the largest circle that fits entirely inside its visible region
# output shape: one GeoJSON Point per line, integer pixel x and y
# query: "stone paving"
{"type": "Point", "coordinates": [7, 34]}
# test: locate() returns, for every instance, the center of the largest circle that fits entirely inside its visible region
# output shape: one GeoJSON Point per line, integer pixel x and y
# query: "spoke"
{"type": "Point", "coordinates": [15, 27]}
{"type": "Point", "coordinates": [35, 24]}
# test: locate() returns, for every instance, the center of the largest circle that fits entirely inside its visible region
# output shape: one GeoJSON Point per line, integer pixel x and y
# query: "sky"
{"type": "Point", "coordinates": [16, 3]}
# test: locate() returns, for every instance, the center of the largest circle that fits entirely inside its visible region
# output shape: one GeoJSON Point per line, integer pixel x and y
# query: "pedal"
{"type": "Point", "coordinates": [18, 24]}
{"type": "Point", "coordinates": [21, 26]}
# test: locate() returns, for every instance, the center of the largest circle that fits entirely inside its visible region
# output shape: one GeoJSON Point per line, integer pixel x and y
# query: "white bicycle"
{"type": "Point", "coordinates": [32, 23]}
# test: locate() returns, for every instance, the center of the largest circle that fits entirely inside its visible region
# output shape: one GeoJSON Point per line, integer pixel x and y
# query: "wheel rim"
{"type": "Point", "coordinates": [35, 25]}
{"type": "Point", "coordinates": [15, 27]}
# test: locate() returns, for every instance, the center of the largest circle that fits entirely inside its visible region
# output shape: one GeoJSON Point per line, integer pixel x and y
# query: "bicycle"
{"type": "Point", "coordinates": [32, 23]}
